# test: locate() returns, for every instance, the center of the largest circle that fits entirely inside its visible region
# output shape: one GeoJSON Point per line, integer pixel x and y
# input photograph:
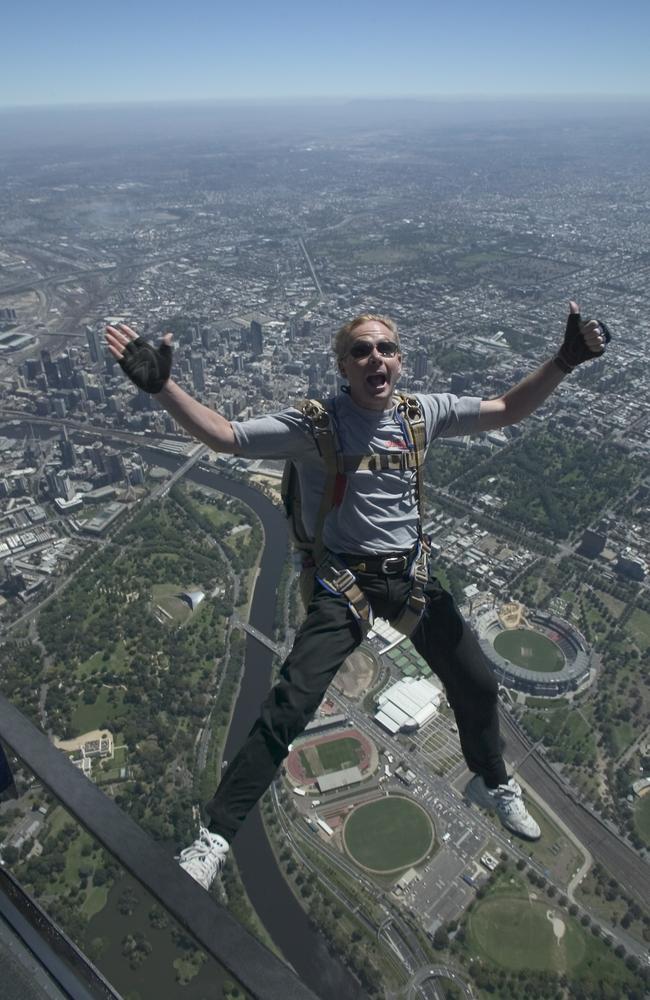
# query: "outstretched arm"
{"type": "Point", "coordinates": [149, 368]}
{"type": "Point", "coordinates": [582, 342]}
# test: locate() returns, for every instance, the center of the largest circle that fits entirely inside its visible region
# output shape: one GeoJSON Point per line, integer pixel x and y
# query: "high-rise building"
{"type": "Point", "coordinates": [114, 463]}
{"type": "Point", "coordinates": [459, 382]}
{"type": "Point", "coordinates": [256, 339]}
{"type": "Point", "coordinates": [65, 368]}
{"type": "Point", "coordinates": [33, 368]}
{"type": "Point", "coordinates": [94, 345]}
{"type": "Point", "coordinates": [59, 485]}
{"type": "Point", "coordinates": [97, 452]}
{"type": "Point", "coordinates": [420, 365]}
{"type": "Point", "coordinates": [198, 373]}
{"type": "Point", "coordinates": [50, 369]}
{"type": "Point", "coordinates": [66, 448]}
{"type": "Point", "coordinates": [95, 392]}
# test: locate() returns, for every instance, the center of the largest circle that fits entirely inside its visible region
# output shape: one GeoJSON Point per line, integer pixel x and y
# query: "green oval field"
{"type": "Point", "coordinates": [388, 834]}
{"type": "Point", "coordinates": [518, 934]}
{"type": "Point", "coordinates": [529, 649]}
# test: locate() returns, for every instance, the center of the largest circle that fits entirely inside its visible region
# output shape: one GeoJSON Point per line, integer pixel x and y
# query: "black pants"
{"type": "Point", "coordinates": [328, 635]}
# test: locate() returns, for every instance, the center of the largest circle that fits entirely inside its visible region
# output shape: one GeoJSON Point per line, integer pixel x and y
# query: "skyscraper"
{"type": "Point", "coordinates": [114, 463]}
{"type": "Point", "coordinates": [33, 368]}
{"type": "Point", "coordinates": [256, 339]}
{"type": "Point", "coordinates": [68, 457]}
{"type": "Point", "coordinates": [198, 373]}
{"type": "Point", "coordinates": [50, 369]}
{"type": "Point", "coordinates": [94, 345]}
{"type": "Point", "coordinates": [421, 365]}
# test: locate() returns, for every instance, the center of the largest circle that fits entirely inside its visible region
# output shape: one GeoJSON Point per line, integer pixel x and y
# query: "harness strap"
{"type": "Point", "coordinates": [410, 615]}
{"type": "Point", "coordinates": [327, 444]}
{"type": "Point", "coordinates": [336, 577]}
{"type": "Point", "coordinates": [380, 461]}
{"type": "Point", "coordinates": [333, 574]}
{"type": "Point", "coordinates": [412, 418]}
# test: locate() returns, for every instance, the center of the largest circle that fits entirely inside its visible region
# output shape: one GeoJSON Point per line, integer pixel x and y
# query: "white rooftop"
{"type": "Point", "coordinates": [409, 702]}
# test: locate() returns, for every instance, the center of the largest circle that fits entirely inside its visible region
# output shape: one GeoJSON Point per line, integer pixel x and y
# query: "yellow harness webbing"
{"type": "Point", "coordinates": [331, 572]}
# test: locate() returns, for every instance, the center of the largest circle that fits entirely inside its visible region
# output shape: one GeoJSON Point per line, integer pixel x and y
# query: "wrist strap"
{"type": "Point", "coordinates": [562, 364]}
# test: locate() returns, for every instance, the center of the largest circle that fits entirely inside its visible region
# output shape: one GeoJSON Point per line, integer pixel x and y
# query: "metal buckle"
{"type": "Point", "coordinates": [344, 579]}
{"type": "Point", "coordinates": [399, 564]}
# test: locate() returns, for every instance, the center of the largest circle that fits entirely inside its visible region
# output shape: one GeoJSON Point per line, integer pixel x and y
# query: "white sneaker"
{"type": "Point", "coordinates": [204, 859]}
{"type": "Point", "coordinates": [508, 803]}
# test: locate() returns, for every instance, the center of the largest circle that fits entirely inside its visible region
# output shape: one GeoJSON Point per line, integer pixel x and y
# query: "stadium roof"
{"type": "Point", "coordinates": [409, 703]}
{"type": "Point", "coordinates": [339, 779]}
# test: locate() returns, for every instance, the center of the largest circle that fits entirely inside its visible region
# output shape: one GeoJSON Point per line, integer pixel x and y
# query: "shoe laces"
{"type": "Point", "coordinates": [510, 799]}
{"type": "Point", "coordinates": [206, 854]}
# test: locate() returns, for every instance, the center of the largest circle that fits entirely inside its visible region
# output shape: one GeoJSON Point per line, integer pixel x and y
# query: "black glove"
{"type": "Point", "coordinates": [148, 367]}
{"type": "Point", "coordinates": [574, 351]}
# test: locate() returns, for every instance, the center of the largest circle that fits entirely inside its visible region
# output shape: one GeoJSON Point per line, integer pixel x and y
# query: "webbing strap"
{"type": "Point", "coordinates": [336, 577]}
{"type": "Point", "coordinates": [409, 617]}
{"type": "Point", "coordinates": [380, 461]}
{"type": "Point", "coordinates": [327, 444]}
{"type": "Point", "coordinates": [333, 574]}
{"type": "Point", "coordinates": [412, 414]}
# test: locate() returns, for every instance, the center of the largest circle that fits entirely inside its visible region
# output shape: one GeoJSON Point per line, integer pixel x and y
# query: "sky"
{"type": "Point", "coordinates": [154, 50]}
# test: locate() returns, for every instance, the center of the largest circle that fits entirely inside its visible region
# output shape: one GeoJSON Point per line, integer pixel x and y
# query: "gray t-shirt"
{"type": "Point", "coordinates": [378, 512]}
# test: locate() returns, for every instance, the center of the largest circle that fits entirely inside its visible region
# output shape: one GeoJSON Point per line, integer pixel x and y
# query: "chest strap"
{"type": "Point", "coordinates": [331, 572]}
{"type": "Point", "coordinates": [380, 461]}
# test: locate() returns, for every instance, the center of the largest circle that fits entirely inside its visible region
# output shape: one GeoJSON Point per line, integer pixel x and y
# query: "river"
{"type": "Point", "coordinates": [272, 899]}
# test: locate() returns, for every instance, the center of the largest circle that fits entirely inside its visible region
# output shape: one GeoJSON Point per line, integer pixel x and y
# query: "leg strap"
{"type": "Point", "coordinates": [336, 577]}
{"type": "Point", "coordinates": [410, 615]}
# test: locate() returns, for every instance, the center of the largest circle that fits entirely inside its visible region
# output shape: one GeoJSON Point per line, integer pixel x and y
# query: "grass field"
{"type": "Point", "coordinates": [332, 756]}
{"type": "Point", "coordinates": [553, 850]}
{"type": "Point", "coordinates": [337, 754]}
{"type": "Point", "coordinates": [389, 834]}
{"type": "Point", "coordinates": [167, 596]}
{"type": "Point", "coordinates": [87, 717]}
{"type": "Point", "coordinates": [565, 728]}
{"type": "Point", "coordinates": [615, 606]}
{"type": "Point", "coordinates": [512, 927]}
{"type": "Point", "coordinates": [532, 702]}
{"type": "Point", "coordinates": [516, 933]}
{"type": "Point", "coordinates": [529, 649]}
{"type": "Point", "coordinates": [97, 664]}
{"type": "Point", "coordinates": [639, 628]}
{"type": "Point", "coordinates": [623, 733]}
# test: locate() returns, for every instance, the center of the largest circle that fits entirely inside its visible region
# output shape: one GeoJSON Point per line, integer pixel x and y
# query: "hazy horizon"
{"type": "Point", "coordinates": [116, 124]}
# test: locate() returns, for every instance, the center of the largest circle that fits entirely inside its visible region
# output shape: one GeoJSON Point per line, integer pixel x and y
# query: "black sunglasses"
{"type": "Point", "coordinates": [364, 348]}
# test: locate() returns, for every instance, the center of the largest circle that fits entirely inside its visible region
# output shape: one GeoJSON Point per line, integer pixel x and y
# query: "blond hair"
{"type": "Point", "coordinates": [341, 342]}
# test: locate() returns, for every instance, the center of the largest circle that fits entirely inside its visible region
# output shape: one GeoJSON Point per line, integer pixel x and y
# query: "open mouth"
{"type": "Point", "coordinates": [377, 381]}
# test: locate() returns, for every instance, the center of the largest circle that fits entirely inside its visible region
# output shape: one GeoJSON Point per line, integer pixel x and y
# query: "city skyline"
{"type": "Point", "coordinates": [197, 52]}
